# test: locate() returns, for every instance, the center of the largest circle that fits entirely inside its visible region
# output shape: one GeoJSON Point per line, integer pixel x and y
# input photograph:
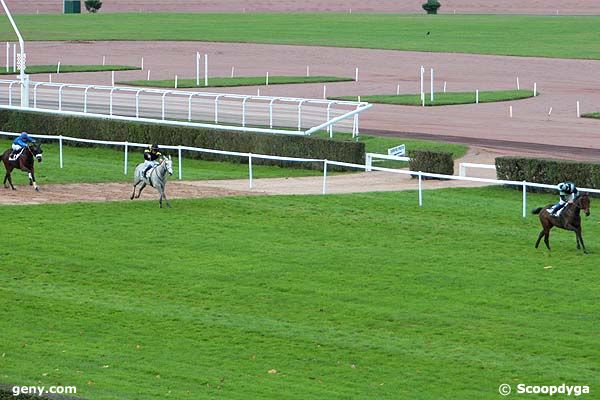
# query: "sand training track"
{"type": "Point", "coordinates": [387, 6]}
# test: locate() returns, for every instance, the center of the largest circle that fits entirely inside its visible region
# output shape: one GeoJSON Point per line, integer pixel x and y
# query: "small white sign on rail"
{"type": "Point", "coordinates": [397, 151]}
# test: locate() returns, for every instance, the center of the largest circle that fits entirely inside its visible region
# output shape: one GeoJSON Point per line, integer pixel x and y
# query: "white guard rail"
{"type": "Point", "coordinates": [524, 184]}
{"type": "Point", "coordinates": [462, 167]}
{"type": "Point", "coordinates": [370, 156]}
{"type": "Point", "coordinates": [281, 115]}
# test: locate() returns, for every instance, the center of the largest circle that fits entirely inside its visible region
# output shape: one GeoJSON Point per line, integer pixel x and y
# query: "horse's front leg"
{"type": "Point", "coordinates": [580, 240]}
{"type": "Point", "coordinates": [32, 181]}
{"type": "Point", "coordinates": [540, 236]}
{"type": "Point", "coordinates": [165, 197]}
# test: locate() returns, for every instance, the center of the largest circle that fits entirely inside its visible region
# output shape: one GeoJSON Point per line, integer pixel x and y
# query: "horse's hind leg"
{"type": "Point", "coordinates": [540, 236]}
{"type": "Point", "coordinates": [140, 191]}
{"type": "Point", "coordinates": [9, 177]}
{"type": "Point", "coordinates": [134, 185]}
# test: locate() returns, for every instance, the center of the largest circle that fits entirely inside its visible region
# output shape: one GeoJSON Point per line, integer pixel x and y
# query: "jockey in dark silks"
{"type": "Point", "coordinates": [568, 194]}
{"type": "Point", "coordinates": [20, 142]}
{"type": "Point", "coordinates": [151, 155]}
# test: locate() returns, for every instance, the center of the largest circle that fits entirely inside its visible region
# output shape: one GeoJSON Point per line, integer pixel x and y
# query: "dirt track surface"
{"type": "Point", "coordinates": [388, 6]}
{"type": "Point", "coordinates": [561, 83]}
{"type": "Point", "coordinates": [346, 183]}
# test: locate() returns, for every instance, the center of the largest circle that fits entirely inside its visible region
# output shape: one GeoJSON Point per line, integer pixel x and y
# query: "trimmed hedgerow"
{"type": "Point", "coordinates": [438, 162]}
{"type": "Point", "coordinates": [247, 142]}
{"type": "Point", "coordinates": [551, 172]}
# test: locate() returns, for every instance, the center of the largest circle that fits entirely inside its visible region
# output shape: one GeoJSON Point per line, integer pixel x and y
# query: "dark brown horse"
{"type": "Point", "coordinates": [25, 162]}
{"type": "Point", "coordinates": [568, 219]}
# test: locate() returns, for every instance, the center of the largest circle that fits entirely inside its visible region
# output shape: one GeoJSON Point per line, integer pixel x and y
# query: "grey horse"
{"type": "Point", "coordinates": [156, 177]}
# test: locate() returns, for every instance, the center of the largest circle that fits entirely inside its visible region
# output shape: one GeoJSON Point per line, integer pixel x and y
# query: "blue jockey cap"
{"type": "Point", "coordinates": [23, 135]}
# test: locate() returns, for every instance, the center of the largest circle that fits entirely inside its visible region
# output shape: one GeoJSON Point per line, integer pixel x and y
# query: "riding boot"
{"type": "Point", "coordinates": [146, 171]}
{"type": "Point", "coordinates": [556, 209]}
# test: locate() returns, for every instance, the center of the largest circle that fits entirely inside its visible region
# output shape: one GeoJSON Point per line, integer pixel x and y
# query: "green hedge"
{"type": "Point", "coordinates": [270, 144]}
{"type": "Point", "coordinates": [438, 162]}
{"type": "Point", "coordinates": [551, 172]}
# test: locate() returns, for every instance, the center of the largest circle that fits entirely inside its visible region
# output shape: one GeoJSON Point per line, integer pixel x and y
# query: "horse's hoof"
{"type": "Point", "coordinates": [37, 189]}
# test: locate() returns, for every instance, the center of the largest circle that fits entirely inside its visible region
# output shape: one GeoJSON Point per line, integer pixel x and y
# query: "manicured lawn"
{"type": "Point", "coordinates": [444, 99]}
{"type": "Point", "coordinates": [236, 81]}
{"type": "Point", "coordinates": [523, 35]}
{"type": "Point", "coordinates": [297, 297]}
{"type": "Point", "coordinates": [51, 69]}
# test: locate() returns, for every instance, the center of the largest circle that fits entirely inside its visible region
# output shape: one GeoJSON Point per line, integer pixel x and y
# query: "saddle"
{"type": "Point", "coordinates": [557, 214]}
{"type": "Point", "coordinates": [15, 156]}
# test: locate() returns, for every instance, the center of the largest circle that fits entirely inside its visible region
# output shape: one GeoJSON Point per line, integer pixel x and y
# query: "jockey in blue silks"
{"type": "Point", "coordinates": [21, 141]}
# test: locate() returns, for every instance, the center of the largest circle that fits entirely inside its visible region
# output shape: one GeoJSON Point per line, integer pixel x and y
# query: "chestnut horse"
{"type": "Point", "coordinates": [568, 219]}
{"type": "Point", "coordinates": [25, 162]}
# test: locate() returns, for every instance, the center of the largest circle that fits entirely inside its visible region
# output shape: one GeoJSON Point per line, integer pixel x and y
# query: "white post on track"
{"type": "Point", "coordinates": [14, 58]}
{"type": "Point", "coordinates": [103, 60]}
{"type": "Point", "coordinates": [7, 57]}
{"type": "Point", "coordinates": [510, 111]}
{"type": "Point", "coordinates": [148, 77]}
{"type": "Point", "coordinates": [420, 189]}
{"type": "Point", "coordinates": [250, 174]}
{"type": "Point", "coordinates": [232, 72]}
{"type": "Point", "coordinates": [398, 90]}
{"type": "Point", "coordinates": [126, 158]}
{"type": "Point", "coordinates": [179, 162]}
{"type": "Point", "coordinates": [307, 71]}
{"type": "Point", "coordinates": [518, 85]}
{"type": "Point", "coordinates": [324, 176]}
{"type": "Point", "coordinates": [60, 151]}
{"type": "Point", "coordinates": [58, 68]}
{"type": "Point", "coordinates": [524, 199]}
{"type": "Point", "coordinates": [477, 96]}
{"type": "Point", "coordinates": [422, 86]}
{"type": "Point", "coordinates": [356, 75]}
{"type": "Point", "coordinates": [578, 113]}
{"type": "Point", "coordinates": [142, 66]}
{"type": "Point", "coordinates": [197, 68]}
{"type": "Point", "coordinates": [431, 84]}
{"type": "Point", "coordinates": [267, 79]}
{"type": "Point", "coordinates": [324, 91]}
{"type": "Point", "coordinates": [176, 77]}
{"type": "Point", "coordinates": [534, 89]}
{"type": "Point", "coordinates": [444, 86]}
{"type": "Point", "coordinates": [205, 69]}
{"type": "Point", "coordinates": [113, 78]}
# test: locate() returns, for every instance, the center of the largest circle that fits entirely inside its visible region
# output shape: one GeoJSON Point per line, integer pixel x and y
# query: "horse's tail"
{"type": "Point", "coordinates": [537, 210]}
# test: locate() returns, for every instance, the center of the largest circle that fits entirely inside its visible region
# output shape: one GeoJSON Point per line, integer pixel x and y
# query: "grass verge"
{"type": "Point", "coordinates": [51, 69]}
{"type": "Point", "coordinates": [444, 99]}
{"type": "Point", "coordinates": [236, 81]}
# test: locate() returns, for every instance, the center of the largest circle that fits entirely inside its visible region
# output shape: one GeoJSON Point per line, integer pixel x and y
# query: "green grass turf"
{"type": "Point", "coordinates": [103, 164]}
{"type": "Point", "coordinates": [444, 99]}
{"type": "Point", "coordinates": [236, 81]}
{"type": "Point", "coordinates": [595, 115]}
{"type": "Point", "coordinates": [353, 296]}
{"type": "Point", "coordinates": [523, 35]}
{"type": "Point", "coordinates": [42, 69]}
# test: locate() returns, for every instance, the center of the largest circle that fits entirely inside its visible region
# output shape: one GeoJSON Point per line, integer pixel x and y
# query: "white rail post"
{"type": "Point", "coordinates": [356, 75]}
{"type": "Point", "coordinates": [180, 162]}
{"type": "Point", "coordinates": [444, 86]}
{"type": "Point", "coordinates": [422, 83]}
{"type": "Point", "coordinates": [7, 57]}
{"type": "Point", "coordinates": [524, 199]}
{"type": "Point", "coordinates": [307, 71]}
{"type": "Point", "coordinates": [534, 89]}
{"type": "Point", "coordinates": [518, 85]}
{"type": "Point", "coordinates": [250, 175]}
{"type": "Point", "coordinates": [60, 151]}
{"type": "Point", "coordinates": [142, 63]}
{"type": "Point", "coordinates": [126, 158]}
{"type": "Point", "coordinates": [103, 60]}
{"type": "Point", "coordinates": [325, 91]}
{"type": "Point", "coordinates": [113, 78]}
{"type": "Point", "coordinates": [368, 162]}
{"type": "Point", "coordinates": [244, 111]}
{"type": "Point", "coordinates": [420, 189]}
{"type": "Point", "coordinates": [510, 113]}
{"type": "Point", "coordinates": [148, 78]}
{"type": "Point", "coordinates": [462, 170]}
{"type": "Point", "coordinates": [197, 68]}
{"type": "Point", "coordinates": [176, 81]}
{"type": "Point", "coordinates": [163, 105]}
{"type": "Point", "coordinates": [58, 68]}
{"type": "Point", "coordinates": [14, 57]}
{"type": "Point", "coordinates": [232, 72]}
{"type": "Point", "coordinates": [324, 176]}
{"type": "Point", "coordinates": [267, 80]}
{"type": "Point", "coordinates": [50, 78]}
{"type": "Point", "coordinates": [431, 85]}
{"type": "Point", "coordinates": [477, 96]}
{"type": "Point", "coordinates": [578, 113]}
{"type": "Point", "coordinates": [205, 69]}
